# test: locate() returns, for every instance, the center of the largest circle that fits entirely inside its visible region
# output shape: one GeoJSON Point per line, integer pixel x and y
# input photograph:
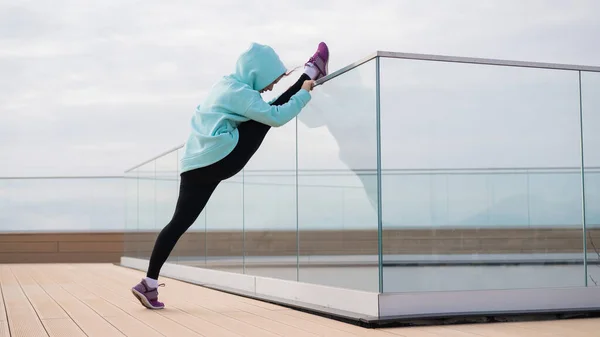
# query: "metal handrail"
{"type": "Point", "coordinates": [345, 69]}
{"type": "Point", "coordinates": [343, 172]}
{"type": "Point", "coordinates": [164, 153]}
{"type": "Point", "coordinates": [457, 59]}
{"type": "Point", "coordinates": [60, 177]}
{"type": "Point", "coordinates": [415, 171]}
{"type": "Point", "coordinates": [486, 61]}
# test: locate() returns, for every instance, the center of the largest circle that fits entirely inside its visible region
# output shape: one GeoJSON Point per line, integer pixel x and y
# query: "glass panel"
{"type": "Point", "coordinates": [147, 232]}
{"type": "Point", "coordinates": [337, 185]}
{"type": "Point", "coordinates": [130, 237]}
{"type": "Point", "coordinates": [481, 185]}
{"type": "Point", "coordinates": [4, 201]}
{"type": "Point", "coordinates": [191, 247]}
{"type": "Point", "coordinates": [224, 226]}
{"type": "Point", "coordinates": [167, 190]}
{"type": "Point", "coordinates": [590, 86]}
{"type": "Point", "coordinates": [270, 203]}
{"type": "Point", "coordinates": [62, 204]}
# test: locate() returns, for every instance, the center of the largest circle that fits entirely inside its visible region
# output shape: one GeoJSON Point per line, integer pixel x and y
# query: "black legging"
{"type": "Point", "coordinates": [197, 185]}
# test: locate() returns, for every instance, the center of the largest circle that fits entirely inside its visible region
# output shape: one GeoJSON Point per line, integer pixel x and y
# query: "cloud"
{"type": "Point", "coordinates": [81, 77]}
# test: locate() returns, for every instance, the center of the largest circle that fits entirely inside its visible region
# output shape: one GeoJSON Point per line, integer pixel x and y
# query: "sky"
{"type": "Point", "coordinates": [93, 88]}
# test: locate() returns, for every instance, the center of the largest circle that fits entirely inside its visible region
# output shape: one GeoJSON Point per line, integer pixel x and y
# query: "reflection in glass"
{"type": "Point", "coordinates": [590, 104]}
{"type": "Point", "coordinates": [481, 174]}
{"type": "Point", "coordinates": [337, 185]}
{"type": "Point", "coordinates": [270, 205]}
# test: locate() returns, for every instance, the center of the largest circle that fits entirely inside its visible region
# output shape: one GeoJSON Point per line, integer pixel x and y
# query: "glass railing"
{"type": "Point", "coordinates": [61, 204]}
{"type": "Point", "coordinates": [407, 173]}
{"type": "Point", "coordinates": [590, 122]}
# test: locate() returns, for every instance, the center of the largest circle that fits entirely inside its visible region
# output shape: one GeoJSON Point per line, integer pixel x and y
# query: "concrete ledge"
{"type": "Point", "coordinates": [488, 302]}
{"type": "Point", "coordinates": [355, 301]}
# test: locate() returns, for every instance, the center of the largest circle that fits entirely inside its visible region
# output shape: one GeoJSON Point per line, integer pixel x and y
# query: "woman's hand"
{"type": "Point", "coordinates": [308, 85]}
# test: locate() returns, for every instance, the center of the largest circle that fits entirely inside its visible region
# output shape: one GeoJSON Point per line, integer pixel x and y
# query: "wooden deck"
{"type": "Point", "coordinates": [74, 300]}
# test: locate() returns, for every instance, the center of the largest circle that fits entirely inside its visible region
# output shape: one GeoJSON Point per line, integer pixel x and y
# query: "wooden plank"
{"type": "Point", "coordinates": [211, 301]}
{"type": "Point", "coordinates": [498, 330]}
{"type": "Point", "coordinates": [304, 318]}
{"type": "Point", "coordinates": [304, 325]}
{"type": "Point", "coordinates": [43, 304]}
{"type": "Point", "coordinates": [22, 318]}
{"type": "Point", "coordinates": [126, 323]}
{"type": "Point", "coordinates": [60, 257]}
{"type": "Point", "coordinates": [197, 311]}
{"type": "Point", "coordinates": [190, 299]}
{"type": "Point", "coordinates": [174, 313]}
{"type": "Point", "coordinates": [90, 247]}
{"type": "Point", "coordinates": [87, 319]}
{"type": "Point", "coordinates": [3, 317]}
{"type": "Point", "coordinates": [441, 331]}
{"type": "Point", "coordinates": [153, 319]}
{"type": "Point", "coordinates": [28, 247]}
{"type": "Point", "coordinates": [417, 332]}
{"type": "Point", "coordinates": [132, 327]}
{"type": "Point", "coordinates": [98, 304]}
{"type": "Point", "coordinates": [271, 325]}
{"type": "Point", "coordinates": [571, 328]}
{"type": "Point", "coordinates": [197, 324]}
{"type": "Point", "coordinates": [4, 331]}
{"type": "Point", "coordinates": [236, 326]}
{"type": "Point", "coordinates": [64, 327]}
{"type": "Point", "coordinates": [60, 237]}
{"type": "Point", "coordinates": [214, 301]}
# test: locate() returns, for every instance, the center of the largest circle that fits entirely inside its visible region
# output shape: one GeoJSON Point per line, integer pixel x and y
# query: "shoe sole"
{"type": "Point", "coordinates": [143, 300]}
{"type": "Point", "coordinates": [327, 64]}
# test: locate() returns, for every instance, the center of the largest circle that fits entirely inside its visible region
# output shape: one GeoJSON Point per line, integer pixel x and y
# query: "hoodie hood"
{"type": "Point", "coordinates": [259, 66]}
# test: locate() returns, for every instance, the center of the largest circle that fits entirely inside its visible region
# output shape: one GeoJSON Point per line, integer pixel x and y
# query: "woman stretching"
{"type": "Point", "coordinates": [226, 132]}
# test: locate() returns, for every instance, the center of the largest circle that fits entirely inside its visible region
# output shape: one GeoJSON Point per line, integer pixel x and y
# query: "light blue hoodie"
{"type": "Point", "coordinates": [235, 99]}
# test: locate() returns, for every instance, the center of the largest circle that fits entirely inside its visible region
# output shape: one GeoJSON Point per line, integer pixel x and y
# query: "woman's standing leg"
{"type": "Point", "coordinates": [193, 197]}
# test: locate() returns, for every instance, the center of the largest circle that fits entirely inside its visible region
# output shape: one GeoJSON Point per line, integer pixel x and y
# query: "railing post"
{"type": "Point", "coordinates": [379, 201]}
{"type": "Point", "coordinates": [243, 221]}
{"type": "Point", "coordinates": [583, 218]}
{"type": "Point", "coordinates": [297, 212]}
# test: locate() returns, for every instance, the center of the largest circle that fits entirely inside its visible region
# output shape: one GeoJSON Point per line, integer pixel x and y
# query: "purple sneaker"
{"type": "Point", "coordinates": [147, 296]}
{"type": "Point", "coordinates": [320, 60]}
